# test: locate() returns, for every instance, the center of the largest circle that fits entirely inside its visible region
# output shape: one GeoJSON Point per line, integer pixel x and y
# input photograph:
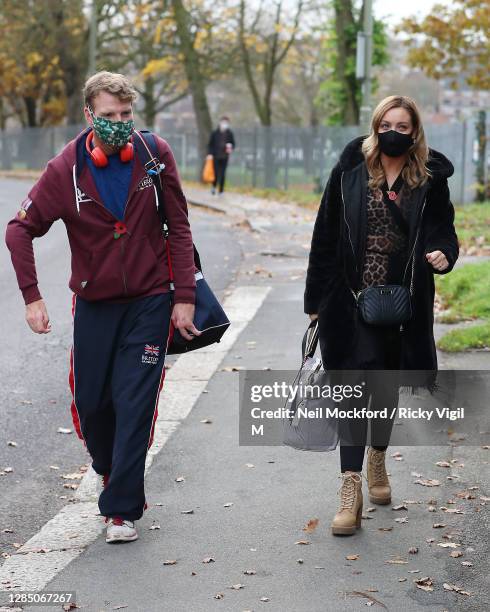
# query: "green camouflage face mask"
{"type": "Point", "coordinates": [113, 133]}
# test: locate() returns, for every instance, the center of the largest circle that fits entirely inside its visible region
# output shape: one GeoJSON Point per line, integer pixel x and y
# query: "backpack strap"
{"type": "Point", "coordinates": [147, 150]}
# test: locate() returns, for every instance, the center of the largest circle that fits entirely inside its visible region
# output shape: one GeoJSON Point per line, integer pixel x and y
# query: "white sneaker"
{"type": "Point", "coordinates": [119, 530]}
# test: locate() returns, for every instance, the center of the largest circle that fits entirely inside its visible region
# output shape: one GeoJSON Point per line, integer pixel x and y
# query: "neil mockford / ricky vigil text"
{"type": "Point", "coordinates": [321, 412]}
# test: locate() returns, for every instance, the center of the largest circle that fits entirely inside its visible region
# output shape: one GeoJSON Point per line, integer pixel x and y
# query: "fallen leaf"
{"type": "Point", "coordinates": [249, 465]}
{"type": "Point", "coordinates": [399, 507]}
{"type": "Point", "coordinates": [402, 579]}
{"type": "Point", "coordinates": [237, 587]}
{"type": "Point", "coordinates": [302, 542]}
{"type": "Point", "coordinates": [64, 430]}
{"type": "Point", "coordinates": [416, 474]}
{"type": "Point", "coordinates": [402, 519]}
{"type": "Point", "coordinates": [427, 482]}
{"type": "Point", "coordinates": [438, 525]}
{"type": "Point", "coordinates": [264, 599]}
{"type": "Point", "coordinates": [300, 561]}
{"type": "Point", "coordinates": [70, 486]}
{"type": "Point", "coordinates": [371, 600]}
{"type": "Point", "coordinates": [154, 527]}
{"type": "Point", "coordinates": [311, 525]}
{"type": "Point", "coordinates": [228, 505]}
{"type": "Point", "coordinates": [451, 510]}
{"type": "Point", "coordinates": [352, 557]}
{"type": "Point", "coordinates": [413, 550]}
{"type": "Point", "coordinates": [453, 587]}
{"type": "Point", "coordinates": [432, 509]}
{"type": "Point", "coordinates": [397, 562]}
{"type": "Point", "coordinates": [187, 511]}
{"type": "Point", "coordinates": [385, 528]}
{"type": "Point", "coordinates": [219, 595]}
{"type": "Point", "coordinates": [180, 479]}
{"type": "Point", "coordinates": [11, 443]}
{"type": "Point", "coordinates": [70, 606]}
{"type": "Point", "coordinates": [467, 563]}
{"type": "Point", "coordinates": [448, 545]}
{"type": "Point", "coordinates": [207, 421]}
{"type": "Point", "coordinates": [424, 583]}
{"type": "Point", "coordinates": [455, 554]}
{"type": "Point", "coordinates": [250, 572]}
{"type": "Point", "coordinates": [170, 562]}
{"type": "Point", "coordinates": [73, 476]}
{"type": "Point", "coordinates": [445, 464]}
{"type": "Point", "coordinates": [208, 560]}
{"type": "Point", "coordinates": [54, 467]}
{"type": "Point", "coordinates": [370, 509]}
{"type": "Point", "coordinates": [119, 607]}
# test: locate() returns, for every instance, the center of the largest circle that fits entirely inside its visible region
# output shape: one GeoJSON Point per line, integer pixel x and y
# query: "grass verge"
{"type": "Point", "coordinates": [465, 296]}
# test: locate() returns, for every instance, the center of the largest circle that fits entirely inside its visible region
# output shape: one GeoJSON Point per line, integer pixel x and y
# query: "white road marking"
{"type": "Point", "coordinates": [78, 524]}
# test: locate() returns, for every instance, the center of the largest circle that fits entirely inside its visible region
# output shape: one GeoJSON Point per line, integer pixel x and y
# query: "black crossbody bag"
{"type": "Point", "coordinates": [387, 305]}
{"type": "Point", "coordinates": [209, 316]}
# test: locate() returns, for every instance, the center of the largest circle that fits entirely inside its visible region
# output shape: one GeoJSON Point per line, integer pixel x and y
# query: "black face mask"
{"type": "Point", "coordinates": [394, 143]}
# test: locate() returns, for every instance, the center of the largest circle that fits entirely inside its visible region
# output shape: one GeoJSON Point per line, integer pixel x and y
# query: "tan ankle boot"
{"type": "Point", "coordinates": [348, 518]}
{"type": "Point", "coordinates": [378, 483]}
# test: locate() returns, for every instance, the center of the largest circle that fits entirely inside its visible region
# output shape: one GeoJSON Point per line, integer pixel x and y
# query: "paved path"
{"type": "Point", "coordinates": [249, 504]}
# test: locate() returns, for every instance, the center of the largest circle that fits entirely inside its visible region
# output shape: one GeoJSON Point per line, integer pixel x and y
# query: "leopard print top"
{"type": "Point", "coordinates": [386, 244]}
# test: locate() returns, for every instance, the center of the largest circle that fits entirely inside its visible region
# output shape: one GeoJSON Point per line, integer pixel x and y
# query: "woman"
{"type": "Point", "coordinates": [361, 240]}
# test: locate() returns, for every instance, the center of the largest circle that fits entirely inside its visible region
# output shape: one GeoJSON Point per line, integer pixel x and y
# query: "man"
{"type": "Point", "coordinates": [221, 144]}
{"type": "Point", "coordinates": [122, 306]}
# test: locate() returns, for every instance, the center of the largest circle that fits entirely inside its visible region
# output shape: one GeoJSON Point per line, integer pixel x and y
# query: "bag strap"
{"type": "Point", "coordinates": [310, 340]}
{"type": "Point", "coordinates": [147, 150]}
{"type": "Point", "coordinates": [393, 208]}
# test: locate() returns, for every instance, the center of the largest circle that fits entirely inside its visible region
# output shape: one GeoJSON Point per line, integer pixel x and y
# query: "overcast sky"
{"type": "Point", "coordinates": [394, 10]}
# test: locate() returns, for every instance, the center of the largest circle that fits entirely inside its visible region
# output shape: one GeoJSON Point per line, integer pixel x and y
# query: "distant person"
{"type": "Point", "coordinates": [123, 308]}
{"type": "Point", "coordinates": [385, 224]}
{"type": "Point", "coordinates": [221, 144]}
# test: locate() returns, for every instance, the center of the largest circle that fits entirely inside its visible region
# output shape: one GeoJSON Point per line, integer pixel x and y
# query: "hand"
{"type": "Point", "coordinates": [37, 317]}
{"type": "Point", "coordinates": [182, 319]}
{"type": "Point", "coordinates": [438, 260]}
{"type": "Point", "coordinates": [313, 317]}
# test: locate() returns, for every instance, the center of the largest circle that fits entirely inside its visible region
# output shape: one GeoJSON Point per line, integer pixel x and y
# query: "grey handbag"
{"type": "Point", "coordinates": [300, 431]}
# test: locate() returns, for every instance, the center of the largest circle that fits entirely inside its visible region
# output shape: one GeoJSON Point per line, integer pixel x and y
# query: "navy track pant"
{"type": "Point", "coordinates": [116, 376]}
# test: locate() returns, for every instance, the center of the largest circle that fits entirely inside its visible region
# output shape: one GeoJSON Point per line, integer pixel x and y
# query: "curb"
{"type": "Point", "coordinates": [213, 207]}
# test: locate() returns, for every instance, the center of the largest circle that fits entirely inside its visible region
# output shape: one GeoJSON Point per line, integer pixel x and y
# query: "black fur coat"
{"type": "Point", "coordinates": [336, 253]}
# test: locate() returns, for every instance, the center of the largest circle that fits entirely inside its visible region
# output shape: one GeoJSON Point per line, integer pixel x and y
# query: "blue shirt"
{"type": "Point", "coordinates": [112, 183]}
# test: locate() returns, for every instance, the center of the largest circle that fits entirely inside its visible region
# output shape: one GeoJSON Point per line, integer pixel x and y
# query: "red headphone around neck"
{"type": "Point", "coordinates": [98, 156]}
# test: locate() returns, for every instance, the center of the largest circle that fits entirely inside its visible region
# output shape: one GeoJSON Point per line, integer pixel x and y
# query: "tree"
{"type": "Point", "coordinates": [340, 94]}
{"type": "Point", "coordinates": [264, 41]}
{"type": "Point", "coordinates": [452, 41]}
{"type": "Point", "coordinates": [40, 50]}
{"type": "Point", "coordinates": [138, 38]}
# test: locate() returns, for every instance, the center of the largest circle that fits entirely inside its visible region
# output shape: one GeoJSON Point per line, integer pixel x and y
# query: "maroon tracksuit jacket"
{"type": "Point", "coordinates": [105, 268]}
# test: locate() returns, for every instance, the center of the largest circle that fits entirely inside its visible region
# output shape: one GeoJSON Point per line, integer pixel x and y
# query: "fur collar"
{"type": "Point", "coordinates": [438, 164]}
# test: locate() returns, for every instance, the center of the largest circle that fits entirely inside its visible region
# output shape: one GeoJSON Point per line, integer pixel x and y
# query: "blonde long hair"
{"type": "Point", "coordinates": [415, 172]}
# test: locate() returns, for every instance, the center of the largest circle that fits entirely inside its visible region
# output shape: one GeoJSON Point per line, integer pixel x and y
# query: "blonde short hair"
{"type": "Point", "coordinates": [112, 82]}
{"type": "Point", "coordinates": [416, 172]}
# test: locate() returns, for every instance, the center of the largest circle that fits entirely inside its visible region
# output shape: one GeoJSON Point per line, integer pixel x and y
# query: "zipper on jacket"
{"type": "Point", "coordinates": [122, 268]}
{"type": "Point", "coordinates": [345, 221]}
{"type": "Point", "coordinates": [412, 253]}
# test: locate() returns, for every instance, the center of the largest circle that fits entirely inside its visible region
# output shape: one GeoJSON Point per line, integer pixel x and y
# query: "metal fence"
{"type": "Point", "coordinates": [283, 157]}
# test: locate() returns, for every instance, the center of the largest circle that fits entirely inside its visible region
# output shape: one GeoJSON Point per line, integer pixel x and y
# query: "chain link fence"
{"type": "Point", "coordinates": [282, 157]}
